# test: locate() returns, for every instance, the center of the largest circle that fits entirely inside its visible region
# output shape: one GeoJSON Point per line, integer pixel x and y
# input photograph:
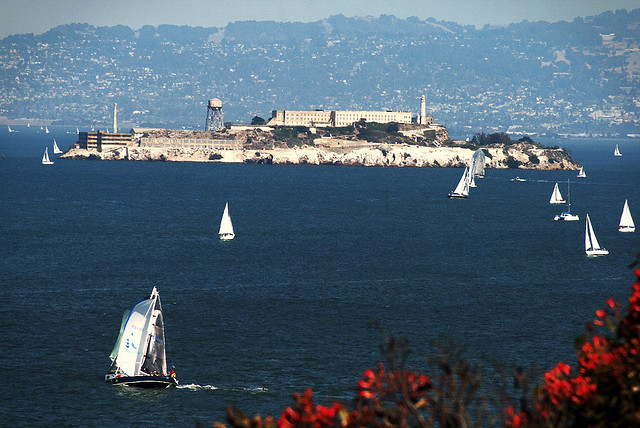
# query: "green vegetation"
{"type": "Point", "coordinates": [257, 120]}
{"type": "Point", "coordinates": [380, 132]}
{"type": "Point", "coordinates": [513, 163]}
{"type": "Point", "coordinates": [341, 131]}
{"type": "Point", "coordinates": [215, 156]}
{"type": "Point", "coordinates": [534, 159]}
{"type": "Point", "coordinates": [293, 135]}
{"type": "Point", "coordinates": [373, 132]}
{"type": "Point", "coordinates": [500, 138]}
{"type": "Point", "coordinates": [430, 136]}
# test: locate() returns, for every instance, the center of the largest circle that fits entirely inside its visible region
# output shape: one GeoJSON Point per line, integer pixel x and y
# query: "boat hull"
{"type": "Point", "coordinates": [626, 229]}
{"type": "Point", "coordinates": [594, 253]}
{"type": "Point", "coordinates": [567, 217]}
{"type": "Point", "coordinates": [143, 381]}
{"type": "Point", "coordinates": [457, 196]}
{"type": "Point", "coordinates": [227, 236]}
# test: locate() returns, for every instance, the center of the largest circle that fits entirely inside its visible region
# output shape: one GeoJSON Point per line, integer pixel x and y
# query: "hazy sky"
{"type": "Point", "coordinates": [38, 16]}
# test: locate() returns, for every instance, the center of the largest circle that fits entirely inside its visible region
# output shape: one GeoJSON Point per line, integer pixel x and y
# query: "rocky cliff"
{"type": "Point", "coordinates": [524, 156]}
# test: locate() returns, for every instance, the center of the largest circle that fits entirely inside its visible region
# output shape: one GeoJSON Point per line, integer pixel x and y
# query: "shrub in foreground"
{"type": "Point", "coordinates": [603, 390]}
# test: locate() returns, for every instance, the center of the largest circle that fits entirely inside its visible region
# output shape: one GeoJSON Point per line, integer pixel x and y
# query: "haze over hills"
{"type": "Point", "coordinates": [580, 77]}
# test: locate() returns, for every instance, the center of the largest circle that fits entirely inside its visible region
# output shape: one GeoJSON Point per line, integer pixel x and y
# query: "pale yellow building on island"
{"type": "Point", "coordinates": [340, 118]}
{"type": "Point", "coordinates": [335, 118]}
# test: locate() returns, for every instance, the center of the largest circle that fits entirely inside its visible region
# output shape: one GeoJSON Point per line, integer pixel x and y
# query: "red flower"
{"type": "Point", "coordinates": [513, 420]}
{"type": "Point", "coordinates": [304, 414]}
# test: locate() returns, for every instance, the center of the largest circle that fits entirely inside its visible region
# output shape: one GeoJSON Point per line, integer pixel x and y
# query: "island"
{"type": "Point", "coordinates": [361, 144]}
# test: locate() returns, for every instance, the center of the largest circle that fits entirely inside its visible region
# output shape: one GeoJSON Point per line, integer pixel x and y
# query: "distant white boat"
{"type": "Point", "coordinates": [626, 221]}
{"type": "Point", "coordinates": [77, 130]}
{"type": "Point", "coordinates": [56, 149]}
{"type": "Point", "coordinates": [9, 128]}
{"type": "Point", "coordinates": [556, 197]}
{"type": "Point", "coordinates": [478, 161]}
{"type": "Point", "coordinates": [462, 189]}
{"type": "Point", "coordinates": [566, 215]}
{"type": "Point", "coordinates": [226, 227]}
{"type": "Point", "coordinates": [45, 157]}
{"type": "Point", "coordinates": [591, 244]}
{"type": "Point", "coordinates": [518, 179]}
{"type": "Point", "coordinates": [582, 174]}
{"type": "Point", "coordinates": [616, 152]}
{"type": "Point", "coordinates": [46, 130]}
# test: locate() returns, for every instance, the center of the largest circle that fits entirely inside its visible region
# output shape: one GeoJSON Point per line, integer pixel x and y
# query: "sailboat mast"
{"type": "Point", "coordinates": [587, 235]}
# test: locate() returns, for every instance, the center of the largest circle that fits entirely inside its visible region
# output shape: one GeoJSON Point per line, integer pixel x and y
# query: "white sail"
{"type": "Point", "coordinates": [477, 162]}
{"type": "Point", "coordinates": [462, 189]}
{"type": "Point", "coordinates": [56, 149]}
{"type": "Point", "coordinates": [582, 174]}
{"type": "Point", "coordinates": [471, 179]}
{"type": "Point", "coordinates": [626, 221]}
{"type": "Point", "coordinates": [45, 157]}
{"type": "Point", "coordinates": [140, 348]}
{"type": "Point", "coordinates": [139, 356]}
{"type": "Point", "coordinates": [134, 339]}
{"type": "Point", "coordinates": [591, 244]}
{"type": "Point", "coordinates": [616, 152]}
{"type": "Point", "coordinates": [46, 130]}
{"type": "Point", "coordinates": [10, 130]}
{"type": "Point", "coordinates": [226, 227]}
{"type": "Point", "coordinates": [556, 197]}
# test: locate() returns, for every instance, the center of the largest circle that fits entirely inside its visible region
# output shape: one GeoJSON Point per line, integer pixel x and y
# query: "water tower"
{"type": "Point", "coordinates": [214, 116]}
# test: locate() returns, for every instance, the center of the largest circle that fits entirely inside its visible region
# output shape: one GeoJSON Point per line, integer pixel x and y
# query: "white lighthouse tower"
{"type": "Point", "coordinates": [423, 110]}
{"type": "Point", "coordinates": [115, 118]}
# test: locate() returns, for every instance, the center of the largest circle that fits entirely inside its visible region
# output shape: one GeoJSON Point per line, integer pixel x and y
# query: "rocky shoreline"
{"type": "Point", "coordinates": [522, 155]}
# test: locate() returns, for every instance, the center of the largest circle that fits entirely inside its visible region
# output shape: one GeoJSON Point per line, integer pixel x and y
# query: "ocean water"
{"type": "Point", "coordinates": [321, 255]}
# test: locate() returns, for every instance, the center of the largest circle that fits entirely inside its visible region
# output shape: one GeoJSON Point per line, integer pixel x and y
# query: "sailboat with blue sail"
{"type": "Point", "coordinates": [139, 357]}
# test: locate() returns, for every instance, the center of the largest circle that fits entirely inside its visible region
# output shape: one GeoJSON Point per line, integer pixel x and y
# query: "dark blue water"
{"type": "Point", "coordinates": [320, 253]}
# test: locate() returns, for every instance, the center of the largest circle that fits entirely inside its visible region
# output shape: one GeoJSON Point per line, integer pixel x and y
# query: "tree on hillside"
{"type": "Point", "coordinates": [257, 120]}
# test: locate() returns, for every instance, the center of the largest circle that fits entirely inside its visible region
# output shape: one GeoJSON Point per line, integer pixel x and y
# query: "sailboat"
{"type": "Point", "coordinates": [591, 245]}
{"type": "Point", "coordinates": [46, 130]}
{"type": "Point", "coordinates": [478, 161]}
{"type": "Point", "coordinates": [45, 157]}
{"type": "Point", "coordinates": [462, 189]}
{"type": "Point", "coordinates": [226, 227]}
{"type": "Point", "coordinates": [56, 149]}
{"type": "Point", "coordinates": [566, 215]}
{"type": "Point", "coordinates": [616, 152]}
{"type": "Point", "coordinates": [582, 174]}
{"type": "Point", "coordinates": [472, 180]}
{"type": "Point", "coordinates": [626, 221]}
{"type": "Point", "coordinates": [139, 356]}
{"type": "Point", "coordinates": [9, 128]}
{"type": "Point", "coordinates": [556, 197]}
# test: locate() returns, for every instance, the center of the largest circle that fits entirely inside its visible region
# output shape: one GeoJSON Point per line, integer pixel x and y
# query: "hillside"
{"type": "Point", "coordinates": [580, 77]}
